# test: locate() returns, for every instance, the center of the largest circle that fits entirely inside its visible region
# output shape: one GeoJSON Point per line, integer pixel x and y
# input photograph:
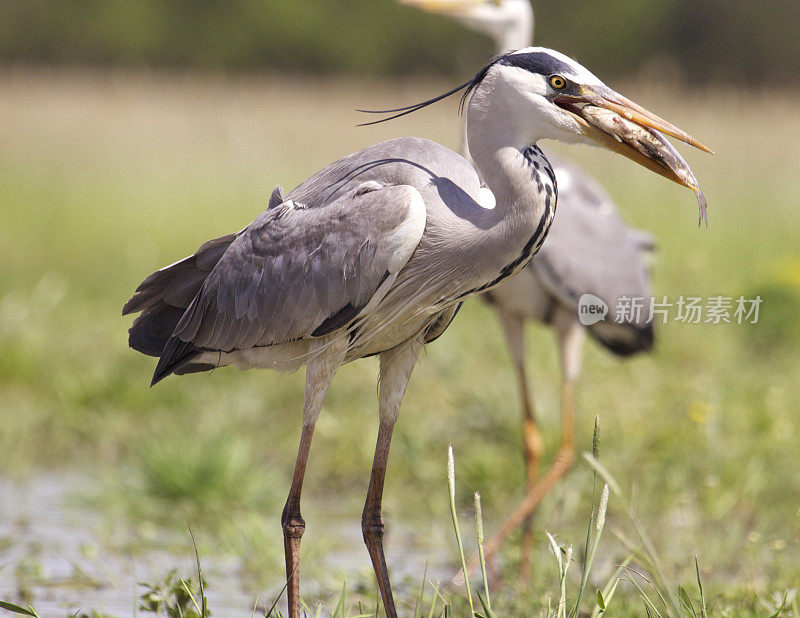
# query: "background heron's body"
{"type": "Point", "coordinates": [589, 250]}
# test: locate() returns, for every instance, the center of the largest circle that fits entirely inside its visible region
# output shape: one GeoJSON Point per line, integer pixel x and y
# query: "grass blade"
{"type": "Point", "coordinates": [648, 603]}
{"type": "Point", "coordinates": [203, 601]}
{"type": "Point", "coordinates": [563, 558]}
{"type": "Point", "coordinates": [436, 596]}
{"type": "Point", "coordinates": [421, 597]}
{"type": "Point", "coordinates": [451, 482]}
{"type": "Point", "coordinates": [191, 596]}
{"type": "Point", "coordinates": [277, 598]}
{"type": "Point", "coordinates": [479, 525]}
{"type": "Point", "coordinates": [16, 609]}
{"type": "Point", "coordinates": [703, 612]}
{"type": "Point", "coordinates": [596, 531]}
{"type": "Point", "coordinates": [611, 585]}
{"type": "Point", "coordinates": [686, 602]}
{"type": "Point", "coordinates": [603, 472]}
{"type": "Point", "coordinates": [340, 605]}
{"type": "Point", "coordinates": [486, 607]}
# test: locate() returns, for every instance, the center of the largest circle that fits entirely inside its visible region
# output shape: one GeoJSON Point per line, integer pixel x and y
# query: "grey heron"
{"type": "Point", "coordinates": [373, 254]}
{"type": "Point", "coordinates": [589, 250]}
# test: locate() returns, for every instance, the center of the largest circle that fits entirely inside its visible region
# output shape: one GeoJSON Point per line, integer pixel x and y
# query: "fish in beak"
{"type": "Point", "coordinates": [629, 129]}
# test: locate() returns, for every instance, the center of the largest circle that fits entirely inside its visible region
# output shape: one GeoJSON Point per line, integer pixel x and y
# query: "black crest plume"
{"type": "Point", "coordinates": [402, 111]}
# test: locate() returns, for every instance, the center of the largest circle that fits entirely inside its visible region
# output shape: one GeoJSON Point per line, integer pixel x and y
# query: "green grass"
{"type": "Point", "coordinates": [175, 596]}
{"type": "Point", "coordinates": [106, 177]}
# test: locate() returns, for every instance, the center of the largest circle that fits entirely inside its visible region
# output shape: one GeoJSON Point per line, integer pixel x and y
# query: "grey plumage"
{"type": "Point", "coordinates": [163, 297]}
{"type": "Point", "coordinates": [591, 250]}
{"type": "Point", "coordinates": [311, 262]}
{"type": "Point", "coordinates": [292, 269]}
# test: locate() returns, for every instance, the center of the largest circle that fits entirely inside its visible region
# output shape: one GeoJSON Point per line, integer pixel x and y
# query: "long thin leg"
{"type": "Point", "coordinates": [396, 367]}
{"type": "Point", "coordinates": [570, 339]}
{"type": "Point", "coordinates": [371, 521]}
{"type": "Point", "coordinates": [532, 443]}
{"type": "Point", "coordinates": [570, 342]}
{"type": "Point", "coordinates": [325, 357]}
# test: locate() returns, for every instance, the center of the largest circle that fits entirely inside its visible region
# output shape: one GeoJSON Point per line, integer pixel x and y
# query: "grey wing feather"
{"type": "Point", "coordinates": [163, 297]}
{"type": "Point", "coordinates": [179, 281]}
{"type": "Point", "coordinates": [295, 268]}
{"type": "Point", "coordinates": [276, 199]}
{"type": "Point", "coordinates": [244, 291]}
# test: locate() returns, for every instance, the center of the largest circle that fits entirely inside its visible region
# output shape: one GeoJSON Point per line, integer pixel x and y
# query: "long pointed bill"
{"type": "Point", "coordinates": [627, 128]}
{"type": "Point", "coordinates": [443, 6]}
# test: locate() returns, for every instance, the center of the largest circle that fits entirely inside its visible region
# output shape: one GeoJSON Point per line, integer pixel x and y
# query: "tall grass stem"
{"type": "Point", "coordinates": [451, 482]}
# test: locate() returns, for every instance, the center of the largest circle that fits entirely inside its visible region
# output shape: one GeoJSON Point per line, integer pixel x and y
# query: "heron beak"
{"type": "Point", "coordinates": [446, 7]}
{"type": "Point", "coordinates": [629, 129]}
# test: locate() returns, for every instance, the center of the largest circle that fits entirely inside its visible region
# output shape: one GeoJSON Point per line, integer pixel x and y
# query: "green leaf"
{"type": "Point", "coordinates": [686, 601]}
{"type": "Point", "coordinates": [17, 609]}
{"type": "Point", "coordinates": [486, 608]}
{"type": "Point", "coordinates": [703, 612]}
{"type": "Point", "coordinates": [600, 601]}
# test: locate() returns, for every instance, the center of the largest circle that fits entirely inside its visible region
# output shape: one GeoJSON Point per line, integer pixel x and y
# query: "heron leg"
{"type": "Point", "coordinates": [396, 367]}
{"type": "Point", "coordinates": [325, 357]}
{"type": "Point", "coordinates": [570, 339]}
{"type": "Point", "coordinates": [532, 444]}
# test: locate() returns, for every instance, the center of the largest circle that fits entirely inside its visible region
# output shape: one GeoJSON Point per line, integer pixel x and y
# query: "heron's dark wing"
{"type": "Point", "coordinates": [163, 297]}
{"type": "Point", "coordinates": [178, 283]}
{"type": "Point", "coordinates": [297, 272]}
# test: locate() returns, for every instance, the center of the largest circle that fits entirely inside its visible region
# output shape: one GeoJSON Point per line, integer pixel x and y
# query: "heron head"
{"type": "Point", "coordinates": [552, 96]}
{"type": "Point", "coordinates": [508, 22]}
{"type": "Point", "coordinates": [537, 93]}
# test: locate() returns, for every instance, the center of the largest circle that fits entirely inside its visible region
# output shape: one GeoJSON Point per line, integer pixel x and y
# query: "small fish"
{"type": "Point", "coordinates": [653, 145]}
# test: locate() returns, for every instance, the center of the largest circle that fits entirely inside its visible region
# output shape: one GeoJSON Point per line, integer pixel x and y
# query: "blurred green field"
{"type": "Point", "coordinates": [106, 176]}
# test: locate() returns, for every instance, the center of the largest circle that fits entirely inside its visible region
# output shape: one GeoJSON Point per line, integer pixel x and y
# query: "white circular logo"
{"type": "Point", "coordinates": [591, 309]}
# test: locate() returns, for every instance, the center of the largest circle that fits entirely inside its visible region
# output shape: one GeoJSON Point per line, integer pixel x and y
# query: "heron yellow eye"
{"type": "Point", "coordinates": [557, 82]}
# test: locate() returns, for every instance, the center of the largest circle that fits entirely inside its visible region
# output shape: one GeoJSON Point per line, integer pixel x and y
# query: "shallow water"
{"type": "Point", "coordinates": [52, 549]}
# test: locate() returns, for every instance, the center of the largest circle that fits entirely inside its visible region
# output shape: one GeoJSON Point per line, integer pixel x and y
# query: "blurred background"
{"type": "Point", "coordinates": [710, 40]}
{"type": "Point", "coordinates": [132, 132]}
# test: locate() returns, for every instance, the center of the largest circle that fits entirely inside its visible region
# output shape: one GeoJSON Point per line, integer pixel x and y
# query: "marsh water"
{"type": "Point", "coordinates": [63, 555]}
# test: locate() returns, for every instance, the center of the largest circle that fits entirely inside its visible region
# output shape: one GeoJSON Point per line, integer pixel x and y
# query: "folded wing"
{"type": "Point", "coordinates": [294, 273]}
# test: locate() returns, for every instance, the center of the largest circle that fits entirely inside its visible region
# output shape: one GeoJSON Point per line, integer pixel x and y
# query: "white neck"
{"type": "Point", "coordinates": [496, 136]}
{"type": "Point", "coordinates": [523, 186]}
{"type": "Point", "coordinates": [510, 25]}
{"type": "Point", "coordinates": [517, 33]}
